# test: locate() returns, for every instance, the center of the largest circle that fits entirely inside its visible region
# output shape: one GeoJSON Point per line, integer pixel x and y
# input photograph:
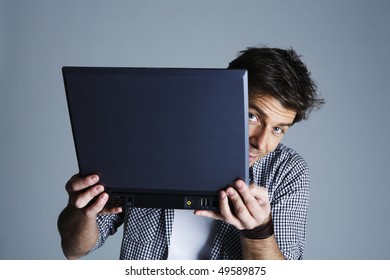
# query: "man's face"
{"type": "Point", "coordinates": [268, 122]}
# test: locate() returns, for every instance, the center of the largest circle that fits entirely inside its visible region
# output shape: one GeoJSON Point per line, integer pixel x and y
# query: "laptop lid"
{"type": "Point", "coordinates": [160, 137]}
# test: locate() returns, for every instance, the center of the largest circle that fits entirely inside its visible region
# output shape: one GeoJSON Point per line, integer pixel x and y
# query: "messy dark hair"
{"type": "Point", "coordinates": [281, 74]}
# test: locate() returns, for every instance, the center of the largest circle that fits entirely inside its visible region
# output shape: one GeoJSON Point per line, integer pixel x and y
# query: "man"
{"type": "Point", "coordinates": [268, 218]}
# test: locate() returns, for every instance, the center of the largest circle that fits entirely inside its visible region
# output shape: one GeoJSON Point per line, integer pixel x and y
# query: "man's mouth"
{"type": "Point", "coordinates": [254, 154]}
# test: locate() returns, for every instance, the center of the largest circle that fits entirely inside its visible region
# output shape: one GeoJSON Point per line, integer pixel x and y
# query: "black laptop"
{"type": "Point", "coordinates": [160, 137]}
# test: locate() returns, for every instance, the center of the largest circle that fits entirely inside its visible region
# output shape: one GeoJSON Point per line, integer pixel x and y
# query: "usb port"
{"type": "Point", "coordinates": [204, 202]}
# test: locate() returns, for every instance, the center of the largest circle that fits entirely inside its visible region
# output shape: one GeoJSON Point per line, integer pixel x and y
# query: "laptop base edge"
{"type": "Point", "coordinates": [166, 201]}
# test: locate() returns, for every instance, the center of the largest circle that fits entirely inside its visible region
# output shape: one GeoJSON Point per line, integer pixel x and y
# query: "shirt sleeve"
{"type": "Point", "coordinates": [108, 225]}
{"type": "Point", "coordinates": [289, 205]}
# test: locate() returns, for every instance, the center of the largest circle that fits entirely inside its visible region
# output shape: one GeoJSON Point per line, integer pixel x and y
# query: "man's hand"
{"type": "Point", "coordinates": [77, 222]}
{"type": "Point", "coordinates": [251, 207]}
{"type": "Point", "coordinates": [89, 199]}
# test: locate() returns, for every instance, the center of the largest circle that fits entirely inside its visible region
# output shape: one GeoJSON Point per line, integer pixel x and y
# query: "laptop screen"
{"type": "Point", "coordinates": [159, 131]}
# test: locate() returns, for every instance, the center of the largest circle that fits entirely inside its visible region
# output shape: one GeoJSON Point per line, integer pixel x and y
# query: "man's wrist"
{"type": "Point", "coordinates": [261, 232]}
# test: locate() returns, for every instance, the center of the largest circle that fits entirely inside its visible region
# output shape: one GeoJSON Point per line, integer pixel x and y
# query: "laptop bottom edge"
{"type": "Point", "coordinates": [166, 201]}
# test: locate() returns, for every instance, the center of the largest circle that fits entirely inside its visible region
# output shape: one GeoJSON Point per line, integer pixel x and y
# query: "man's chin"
{"type": "Point", "coordinates": [252, 161]}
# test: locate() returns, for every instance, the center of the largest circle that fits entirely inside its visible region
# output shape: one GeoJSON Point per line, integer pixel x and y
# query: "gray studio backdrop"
{"type": "Point", "coordinates": [344, 43]}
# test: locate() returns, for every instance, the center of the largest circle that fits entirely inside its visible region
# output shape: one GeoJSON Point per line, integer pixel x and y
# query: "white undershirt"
{"type": "Point", "coordinates": [192, 236]}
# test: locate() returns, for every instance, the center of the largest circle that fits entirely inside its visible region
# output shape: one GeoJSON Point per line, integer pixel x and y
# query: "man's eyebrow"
{"type": "Point", "coordinates": [257, 109]}
{"type": "Point", "coordinates": [261, 113]}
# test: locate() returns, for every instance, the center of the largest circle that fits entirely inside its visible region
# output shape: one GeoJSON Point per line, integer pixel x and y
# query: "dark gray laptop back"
{"type": "Point", "coordinates": [160, 137]}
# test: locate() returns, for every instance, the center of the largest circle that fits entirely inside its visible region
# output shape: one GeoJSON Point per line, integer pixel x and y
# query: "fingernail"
{"type": "Point", "coordinates": [99, 188]}
{"type": "Point", "coordinates": [239, 185]}
{"type": "Point", "coordinates": [230, 191]}
{"type": "Point", "coordinates": [94, 179]}
{"type": "Point", "coordinates": [103, 196]}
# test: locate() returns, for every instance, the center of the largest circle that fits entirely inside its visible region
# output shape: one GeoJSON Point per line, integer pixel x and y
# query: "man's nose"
{"type": "Point", "coordinates": [259, 138]}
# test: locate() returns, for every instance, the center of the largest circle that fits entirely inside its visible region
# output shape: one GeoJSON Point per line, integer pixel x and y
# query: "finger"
{"type": "Point", "coordinates": [215, 214]}
{"type": "Point", "coordinates": [97, 206]}
{"type": "Point", "coordinates": [209, 214]}
{"type": "Point", "coordinates": [260, 193]}
{"type": "Point", "coordinates": [240, 208]}
{"type": "Point", "coordinates": [262, 208]}
{"type": "Point", "coordinates": [82, 199]}
{"type": "Point", "coordinates": [228, 211]}
{"type": "Point", "coordinates": [111, 210]}
{"type": "Point", "coordinates": [251, 202]}
{"type": "Point", "coordinates": [77, 183]}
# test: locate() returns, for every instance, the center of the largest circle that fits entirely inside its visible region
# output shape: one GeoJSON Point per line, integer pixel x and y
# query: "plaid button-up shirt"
{"type": "Point", "coordinates": [283, 172]}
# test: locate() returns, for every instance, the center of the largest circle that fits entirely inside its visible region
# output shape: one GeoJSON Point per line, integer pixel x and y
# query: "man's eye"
{"type": "Point", "coordinates": [252, 117]}
{"type": "Point", "coordinates": [278, 130]}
